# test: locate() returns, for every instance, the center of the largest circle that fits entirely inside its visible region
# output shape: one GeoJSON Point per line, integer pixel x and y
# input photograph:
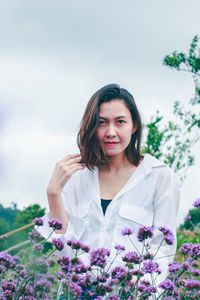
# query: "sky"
{"type": "Point", "coordinates": [55, 54]}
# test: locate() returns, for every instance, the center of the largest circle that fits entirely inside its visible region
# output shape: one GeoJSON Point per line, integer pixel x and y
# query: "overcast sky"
{"type": "Point", "coordinates": [55, 54]}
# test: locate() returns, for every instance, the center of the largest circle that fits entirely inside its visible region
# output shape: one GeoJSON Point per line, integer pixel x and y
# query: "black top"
{"type": "Point", "coordinates": [104, 205]}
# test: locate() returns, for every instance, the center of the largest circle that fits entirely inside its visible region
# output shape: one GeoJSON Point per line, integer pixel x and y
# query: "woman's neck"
{"type": "Point", "coordinates": [116, 163]}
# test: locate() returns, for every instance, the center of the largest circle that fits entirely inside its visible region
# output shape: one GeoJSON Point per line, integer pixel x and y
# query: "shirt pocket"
{"type": "Point", "coordinates": [133, 215]}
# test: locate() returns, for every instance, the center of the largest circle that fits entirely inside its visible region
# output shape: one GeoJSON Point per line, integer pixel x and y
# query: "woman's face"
{"type": "Point", "coordinates": [115, 127]}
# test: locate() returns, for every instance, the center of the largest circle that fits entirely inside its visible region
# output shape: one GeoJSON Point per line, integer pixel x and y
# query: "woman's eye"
{"type": "Point", "coordinates": [101, 122]}
{"type": "Point", "coordinates": [121, 121]}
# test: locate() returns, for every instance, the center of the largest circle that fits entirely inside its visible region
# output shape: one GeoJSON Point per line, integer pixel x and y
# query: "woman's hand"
{"type": "Point", "coordinates": [64, 169]}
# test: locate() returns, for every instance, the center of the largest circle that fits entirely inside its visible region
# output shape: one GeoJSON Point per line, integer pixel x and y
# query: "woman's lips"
{"type": "Point", "coordinates": [111, 143]}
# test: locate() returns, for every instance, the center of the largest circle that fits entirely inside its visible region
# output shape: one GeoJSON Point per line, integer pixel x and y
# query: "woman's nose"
{"type": "Point", "coordinates": [110, 131]}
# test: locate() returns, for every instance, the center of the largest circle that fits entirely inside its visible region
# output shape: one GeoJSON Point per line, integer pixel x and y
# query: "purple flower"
{"type": "Point", "coordinates": [38, 248]}
{"type": "Point", "coordinates": [98, 257]}
{"type": "Point", "coordinates": [148, 256]}
{"type": "Point", "coordinates": [149, 267]}
{"type": "Point", "coordinates": [197, 203]}
{"type": "Point", "coordinates": [187, 218]}
{"type": "Point", "coordinates": [60, 275]}
{"type": "Point", "coordinates": [165, 230]}
{"type": "Point", "coordinates": [58, 243]}
{"type": "Point", "coordinates": [169, 238]}
{"type": "Point", "coordinates": [65, 264]}
{"type": "Point", "coordinates": [9, 285]}
{"type": "Point", "coordinates": [38, 221]}
{"type": "Point", "coordinates": [113, 297]}
{"type": "Point", "coordinates": [75, 290]}
{"type": "Point", "coordinates": [174, 267]}
{"type": "Point", "coordinates": [55, 224]}
{"type": "Point", "coordinates": [118, 273]}
{"type": "Point", "coordinates": [196, 249]}
{"type": "Point", "coordinates": [186, 248]}
{"type": "Point", "coordinates": [80, 268]}
{"type": "Point", "coordinates": [78, 245]}
{"type": "Point", "coordinates": [146, 288]}
{"type": "Point", "coordinates": [127, 231]}
{"type": "Point", "coordinates": [4, 236]}
{"type": "Point", "coordinates": [192, 285]}
{"type": "Point", "coordinates": [144, 232]}
{"type": "Point", "coordinates": [119, 248]}
{"type": "Point", "coordinates": [195, 272]}
{"type": "Point", "coordinates": [35, 236]}
{"type": "Point", "coordinates": [43, 285]}
{"type": "Point", "coordinates": [6, 260]}
{"type": "Point", "coordinates": [131, 257]}
{"type": "Point", "coordinates": [169, 286]}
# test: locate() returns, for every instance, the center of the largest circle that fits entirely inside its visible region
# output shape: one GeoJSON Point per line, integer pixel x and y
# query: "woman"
{"type": "Point", "coordinates": [110, 185]}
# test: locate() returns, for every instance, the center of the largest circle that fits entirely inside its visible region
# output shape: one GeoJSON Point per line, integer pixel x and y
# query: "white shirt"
{"type": "Point", "coordinates": [150, 198]}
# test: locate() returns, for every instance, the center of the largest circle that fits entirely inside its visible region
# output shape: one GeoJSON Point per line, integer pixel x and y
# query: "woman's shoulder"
{"type": "Point", "coordinates": [158, 167]}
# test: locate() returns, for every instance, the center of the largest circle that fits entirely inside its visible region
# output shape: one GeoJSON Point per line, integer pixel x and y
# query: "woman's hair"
{"type": "Point", "coordinates": [90, 149]}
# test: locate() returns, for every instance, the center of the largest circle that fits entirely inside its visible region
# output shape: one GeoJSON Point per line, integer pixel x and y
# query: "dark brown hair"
{"type": "Point", "coordinates": [90, 149]}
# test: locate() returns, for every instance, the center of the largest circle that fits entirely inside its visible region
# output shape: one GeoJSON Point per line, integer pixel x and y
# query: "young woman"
{"type": "Point", "coordinates": [110, 186]}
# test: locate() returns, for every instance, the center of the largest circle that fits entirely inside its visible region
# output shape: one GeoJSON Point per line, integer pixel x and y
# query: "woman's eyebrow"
{"type": "Point", "coordinates": [120, 117]}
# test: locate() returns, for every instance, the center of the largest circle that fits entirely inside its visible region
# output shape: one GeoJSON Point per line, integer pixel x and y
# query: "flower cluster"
{"type": "Point", "coordinates": [98, 257]}
{"type": "Point", "coordinates": [38, 221]}
{"type": "Point", "coordinates": [55, 224]}
{"type": "Point", "coordinates": [144, 233]}
{"type": "Point", "coordinates": [31, 275]}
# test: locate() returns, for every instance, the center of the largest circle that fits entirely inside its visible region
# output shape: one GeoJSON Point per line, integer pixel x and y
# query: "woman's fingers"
{"type": "Point", "coordinates": [70, 156]}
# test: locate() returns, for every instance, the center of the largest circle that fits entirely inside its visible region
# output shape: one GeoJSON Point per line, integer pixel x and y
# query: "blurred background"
{"type": "Point", "coordinates": [55, 54]}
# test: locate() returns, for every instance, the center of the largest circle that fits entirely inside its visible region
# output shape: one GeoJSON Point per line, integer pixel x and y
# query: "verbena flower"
{"type": "Point", "coordinates": [197, 203]}
{"type": "Point", "coordinates": [38, 248]}
{"type": "Point", "coordinates": [65, 264]}
{"type": "Point", "coordinates": [169, 286]}
{"type": "Point", "coordinates": [131, 257]}
{"type": "Point", "coordinates": [58, 243]}
{"type": "Point", "coordinates": [38, 221]}
{"type": "Point", "coordinates": [119, 273]}
{"type": "Point", "coordinates": [165, 230]}
{"type": "Point", "coordinates": [6, 260]}
{"type": "Point", "coordinates": [186, 248]}
{"type": "Point", "coordinates": [187, 218]}
{"type": "Point", "coordinates": [119, 247]}
{"type": "Point", "coordinates": [149, 267]}
{"type": "Point", "coordinates": [192, 285]}
{"type": "Point", "coordinates": [174, 267]}
{"type": "Point", "coordinates": [144, 232]}
{"type": "Point", "coordinates": [146, 288]}
{"type": "Point", "coordinates": [75, 290]}
{"type": "Point", "coordinates": [98, 257]}
{"type": "Point", "coordinates": [78, 245]}
{"type": "Point", "coordinates": [127, 231]}
{"type": "Point", "coordinates": [43, 285]}
{"type": "Point", "coordinates": [35, 236]}
{"type": "Point", "coordinates": [169, 238]}
{"type": "Point", "coordinates": [113, 297]}
{"type": "Point", "coordinates": [196, 250]}
{"type": "Point", "coordinates": [55, 224]}
{"type": "Point", "coordinates": [80, 268]}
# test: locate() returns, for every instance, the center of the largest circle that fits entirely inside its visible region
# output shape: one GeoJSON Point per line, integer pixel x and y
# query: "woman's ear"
{"type": "Point", "coordinates": [134, 129]}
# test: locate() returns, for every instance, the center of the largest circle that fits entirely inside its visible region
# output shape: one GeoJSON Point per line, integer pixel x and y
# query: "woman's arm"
{"type": "Point", "coordinates": [166, 203]}
{"type": "Point", "coordinates": [57, 209]}
{"type": "Point", "coordinates": [63, 171]}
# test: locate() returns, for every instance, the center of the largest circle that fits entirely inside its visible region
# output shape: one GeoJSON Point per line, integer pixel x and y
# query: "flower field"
{"type": "Point", "coordinates": [39, 272]}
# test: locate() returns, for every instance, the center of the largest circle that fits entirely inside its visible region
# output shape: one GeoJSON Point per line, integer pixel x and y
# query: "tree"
{"type": "Point", "coordinates": [172, 142]}
{"type": "Point", "coordinates": [27, 215]}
